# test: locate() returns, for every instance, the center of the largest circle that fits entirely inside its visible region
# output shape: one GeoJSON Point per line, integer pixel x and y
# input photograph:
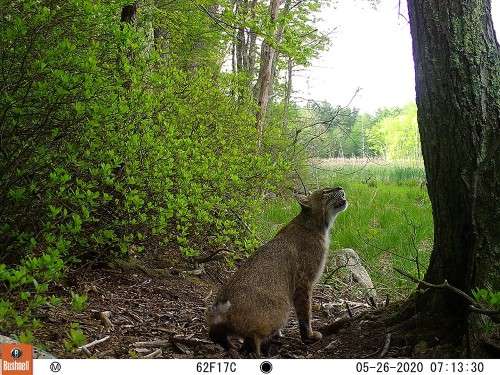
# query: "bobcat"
{"type": "Point", "coordinates": [255, 303]}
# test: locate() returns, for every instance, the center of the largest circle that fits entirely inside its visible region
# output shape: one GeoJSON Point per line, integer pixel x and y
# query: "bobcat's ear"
{"type": "Point", "coordinates": [304, 200]}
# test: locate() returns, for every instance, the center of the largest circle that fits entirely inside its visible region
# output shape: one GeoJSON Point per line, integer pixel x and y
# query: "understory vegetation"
{"type": "Point", "coordinates": [113, 139]}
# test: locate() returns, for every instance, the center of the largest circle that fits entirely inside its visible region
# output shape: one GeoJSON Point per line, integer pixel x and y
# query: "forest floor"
{"type": "Point", "coordinates": [163, 315]}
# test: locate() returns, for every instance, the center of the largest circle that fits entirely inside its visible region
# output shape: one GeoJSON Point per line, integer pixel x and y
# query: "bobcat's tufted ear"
{"type": "Point", "coordinates": [303, 199]}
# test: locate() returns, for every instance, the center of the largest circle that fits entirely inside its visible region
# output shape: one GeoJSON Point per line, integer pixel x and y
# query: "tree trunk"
{"type": "Point", "coordinates": [239, 40]}
{"type": "Point", "coordinates": [129, 12]}
{"type": "Point", "coordinates": [128, 15]}
{"type": "Point", "coordinates": [251, 48]}
{"type": "Point", "coordinates": [279, 36]}
{"type": "Point", "coordinates": [457, 81]}
{"type": "Point", "coordinates": [265, 77]}
{"type": "Point", "coordinates": [288, 93]}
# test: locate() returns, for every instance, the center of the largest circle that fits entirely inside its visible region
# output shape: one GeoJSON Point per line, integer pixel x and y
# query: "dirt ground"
{"type": "Point", "coordinates": [158, 310]}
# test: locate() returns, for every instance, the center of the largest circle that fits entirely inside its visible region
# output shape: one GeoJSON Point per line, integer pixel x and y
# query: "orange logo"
{"type": "Point", "coordinates": [16, 359]}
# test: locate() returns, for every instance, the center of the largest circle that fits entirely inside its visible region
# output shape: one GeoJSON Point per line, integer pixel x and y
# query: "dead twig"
{"type": "Point", "coordinates": [133, 315]}
{"type": "Point", "coordinates": [157, 353]}
{"type": "Point", "coordinates": [401, 14]}
{"type": "Point", "coordinates": [371, 354]}
{"type": "Point", "coordinates": [348, 309]}
{"type": "Point", "coordinates": [387, 344]}
{"type": "Point", "coordinates": [331, 273]}
{"type": "Point", "coordinates": [151, 344]}
{"type": "Point", "coordinates": [208, 296]}
{"type": "Point", "coordinates": [190, 340]}
{"type": "Point", "coordinates": [306, 192]}
{"type": "Point", "coordinates": [182, 348]}
{"type": "Point", "coordinates": [85, 348]}
{"type": "Point", "coordinates": [475, 307]}
{"type": "Point", "coordinates": [352, 304]}
{"type": "Point", "coordinates": [443, 285]}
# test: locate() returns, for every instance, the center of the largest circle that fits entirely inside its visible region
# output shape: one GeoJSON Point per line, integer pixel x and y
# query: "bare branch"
{"type": "Point", "coordinates": [157, 353]}
{"type": "Point", "coordinates": [474, 307]}
{"type": "Point", "coordinates": [85, 348]}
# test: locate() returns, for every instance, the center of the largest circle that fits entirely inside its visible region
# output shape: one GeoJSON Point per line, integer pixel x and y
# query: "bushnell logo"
{"type": "Point", "coordinates": [16, 359]}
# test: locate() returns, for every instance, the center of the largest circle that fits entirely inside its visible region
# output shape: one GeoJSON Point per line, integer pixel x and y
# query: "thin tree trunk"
{"type": "Point", "coordinates": [240, 37]}
{"type": "Point", "coordinates": [279, 36]}
{"type": "Point", "coordinates": [252, 39]}
{"type": "Point", "coordinates": [265, 77]}
{"type": "Point", "coordinates": [244, 42]}
{"type": "Point", "coordinates": [288, 93]}
{"type": "Point", "coordinates": [457, 74]}
{"type": "Point", "coordinates": [233, 56]}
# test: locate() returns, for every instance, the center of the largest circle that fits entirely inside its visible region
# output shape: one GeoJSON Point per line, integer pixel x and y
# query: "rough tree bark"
{"type": "Point", "coordinates": [457, 81]}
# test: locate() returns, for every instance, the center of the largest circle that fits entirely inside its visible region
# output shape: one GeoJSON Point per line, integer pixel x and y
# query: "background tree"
{"type": "Point", "coordinates": [457, 74]}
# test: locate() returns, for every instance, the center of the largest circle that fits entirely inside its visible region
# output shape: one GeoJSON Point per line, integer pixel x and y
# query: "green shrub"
{"type": "Point", "coordinates": [78, 302]}
{"type": "Point", "coordinates": [76, 338]}
{"type": "Point", "coordinates": [108, 144]}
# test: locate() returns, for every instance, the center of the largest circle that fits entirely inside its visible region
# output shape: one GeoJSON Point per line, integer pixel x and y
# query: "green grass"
{"type": "Point", "coordinates": [388, 222]}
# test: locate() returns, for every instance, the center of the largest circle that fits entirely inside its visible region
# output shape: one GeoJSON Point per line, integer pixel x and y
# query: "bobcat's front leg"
{"type": "Point", "coordinates": [302, 302]}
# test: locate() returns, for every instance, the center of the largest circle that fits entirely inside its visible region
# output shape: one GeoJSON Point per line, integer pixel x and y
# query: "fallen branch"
{"type": "Point", "coordinates": [474, 307]}
{"type": "Point", "coordinates": [133, 315]}
{"type": "Point", "coordinates": [190, 340]}
{"type": "Point", "coordinates": [208, 296]}
{"type": "Point", "coordinates": [157, 353]}
{"type": "Point", "coordinates": [371, 354]}
{"type": "Point", "coordinates": [387, 344]}
{"type": "Point", "coordinates": [151, 344]}
{"type": "Point", "coordinates": [342, 302]}
{"type": "Point", "coordinates": [182, 348]}
{"type": "Point", "coordinates": [85, 348]}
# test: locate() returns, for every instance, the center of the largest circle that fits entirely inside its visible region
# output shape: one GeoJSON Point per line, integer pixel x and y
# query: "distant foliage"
{"type": "Point", "coordinates": [391, 133]}
{"type": "Point", "coordinates": [396, 137]}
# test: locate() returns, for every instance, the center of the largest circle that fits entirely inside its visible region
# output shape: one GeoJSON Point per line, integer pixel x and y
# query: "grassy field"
{"type": "Point", "coordinates": [388, 222]}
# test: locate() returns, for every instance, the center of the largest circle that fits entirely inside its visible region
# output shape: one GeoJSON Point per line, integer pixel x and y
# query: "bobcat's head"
{"type": "Point", "coordinates": [323, 205]}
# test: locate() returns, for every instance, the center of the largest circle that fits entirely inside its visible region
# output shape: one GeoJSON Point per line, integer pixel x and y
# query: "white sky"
{"type": "Point", "coordinates": [370, 49]}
